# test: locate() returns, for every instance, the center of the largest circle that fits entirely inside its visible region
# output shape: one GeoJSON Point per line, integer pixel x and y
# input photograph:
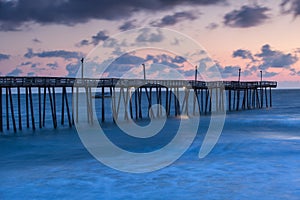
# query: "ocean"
{"type": "Point", "coordinates": [256, 157]}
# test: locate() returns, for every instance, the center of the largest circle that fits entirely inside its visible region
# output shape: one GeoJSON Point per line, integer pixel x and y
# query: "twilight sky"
{"type": "Point", "coordinates": [49, 37]}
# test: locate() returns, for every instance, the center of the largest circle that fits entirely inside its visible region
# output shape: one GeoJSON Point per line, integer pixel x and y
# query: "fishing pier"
{"type": "Point", "coordinates": [25, 101]}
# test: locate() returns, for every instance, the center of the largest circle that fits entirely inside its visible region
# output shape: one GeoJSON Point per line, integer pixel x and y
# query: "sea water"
{"type": "Point", "coordinates": [256, 157]}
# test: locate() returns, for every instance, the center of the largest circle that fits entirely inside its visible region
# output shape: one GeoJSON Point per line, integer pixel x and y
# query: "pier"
{"type": "Point", "coordinates": [178, 97]}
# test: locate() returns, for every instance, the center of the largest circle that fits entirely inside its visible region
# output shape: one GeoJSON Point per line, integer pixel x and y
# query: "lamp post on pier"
{"type": "Point", "coordinates": [82, 59]}
{"type": "Point", "coordinates": [239, 75]}
{"type": "Point", "coordinates": [261, 78]}
{"type": "Point", "coordinates": [196, 73]}
{"type": "Point", "coordinates": [144, 70]}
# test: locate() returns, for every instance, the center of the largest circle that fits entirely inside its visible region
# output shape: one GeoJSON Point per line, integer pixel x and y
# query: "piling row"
{"type": "Point", "coordinates": [126, 98]}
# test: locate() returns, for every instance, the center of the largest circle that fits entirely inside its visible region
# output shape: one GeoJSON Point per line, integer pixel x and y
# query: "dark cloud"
{"type": "Point", "coordinates": [178, 59]}
{"type": "Point", "coordinates": [177, 17]}
{"type": "Point", "coordinates": [275, 59]}
{"type": "Point", "coordinates": [128, 25]}
{"type": "Point", "coordinates": [26, 63]}
{"type": "Point", "coordinates": [293, 72]}
{"type": "Point", "coordinates": [212, 26]}
{"type": "Point", "coordinates": [290, 6]}
{"type": "Point", "coordinates": [83, 43]}
{"type": "Point", "coordinates": [53, 65]}
{"type": "Point", "coordinates": [4, 56]}
{"type": "Point", "coordinates": [95, 39]}
{"type": "Point", "coordinates": [123, 64]}
{"type": "Point", "coordinates": [127, 62]}
{"type": "Point", "coordinates": [167, 60]}
{"type": "Point", "coordinates": [31, 74]}
{"type": "Point", "coordinates": [14, 14]}
{"type": "Point", "coordinates": [229, 71]}
{"type": "Point", "coordinates": [117, 70]}
{"type": "Point", "coordinates": [35, 40]}
{"type": "Point", "coordinates": [266, 51]}
{"type": "Point", "coordinates": [53, 54]}
{"type": "Point", "coordinates": [15, 72]}
{"type": "Point", "coordinates": [245, 54]}
{"type": "Point", "coordinates": [246, 16]}
{"type": "Point", "coordinates": [32, 65]}
{"type": "Point", "coordinates": [129, 59]}
{"type": "Point", "coordinates": [101, 36]}
{"type": "Point", "coordinates": [188, 73]}
{"type": "Point", "coordinates": [266, 59]}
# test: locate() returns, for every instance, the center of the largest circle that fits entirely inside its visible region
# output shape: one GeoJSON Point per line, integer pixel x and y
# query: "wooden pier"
{"type": "Point", "coordinates": [178, 97]}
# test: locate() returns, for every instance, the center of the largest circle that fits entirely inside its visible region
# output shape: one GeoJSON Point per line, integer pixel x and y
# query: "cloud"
{"type": "Point", "coordinates": [147, 36]}
{"type": "Point", "coordinates": [246, 16]}
{"type": "Point", "coordinates": [14, 14]}
{"type": "Point", "coordinates": [128, 62]}
{"type": "Point", "coordinates": [275, 59]}
{"type": "Point", "coordinates": [269, 74]}
{"type": "Point", "coordinates": [15, 72]}
{"type": "Point", "coordinates": [167, 60]}
{"type": "Point", "coordinates": [226, 71]}
{"type": "Point", "coordinates": [290, 6]}
{"type": "Point", "coordinates": [267, 59]}
{"type": "Point", "coordinates": [177, 17]}
{"type": "Point", "coordinates": [244, 54]}
{"type": "Point", "coordinates": [229, 71]}
{"type": "Point", "coordinates": [128, 25]}
{"type": "Point", "coordinates": [4, 56]}
{"type": "Point", "coordinates": [212, 26]}
{"type": "Point", "coordinates": [53, 54]}
{"type": "Point", "coordinates": [95, 39]}
{"type": "Point", "coordinates": [72, 69]}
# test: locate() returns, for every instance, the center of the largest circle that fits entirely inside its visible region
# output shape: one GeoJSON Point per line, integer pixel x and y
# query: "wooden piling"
{"type": "Point", "coordinates": [7, 112]}
{"type": "Point", "coordinates": [1, 112]}
{"type": "Point", "coordinates": [19, 108]}
{"type": "Point", "coordinates": [27, 107]}
{"type": "Point", "coordinates": [103, 105]}
{"type": "Point", "coordinates": [31, 109]}
{"type": "Point", "coordinates": [40, 107]}
{"type": "Point", "coordinates": [12, 110]}
{"type": "Point", "coordinates": [44, 106]}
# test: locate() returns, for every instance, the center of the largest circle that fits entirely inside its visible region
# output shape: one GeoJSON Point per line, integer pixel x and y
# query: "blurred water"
{"type": "Point", "coordinates": [257, 157]}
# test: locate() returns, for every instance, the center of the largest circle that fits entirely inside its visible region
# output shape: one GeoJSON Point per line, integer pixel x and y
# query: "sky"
{"type": "Point", "coordinates": [49, 38]}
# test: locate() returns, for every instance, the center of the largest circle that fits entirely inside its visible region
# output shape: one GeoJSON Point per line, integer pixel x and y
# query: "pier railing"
{"type": "Point", "coordinates": [115, 82]}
